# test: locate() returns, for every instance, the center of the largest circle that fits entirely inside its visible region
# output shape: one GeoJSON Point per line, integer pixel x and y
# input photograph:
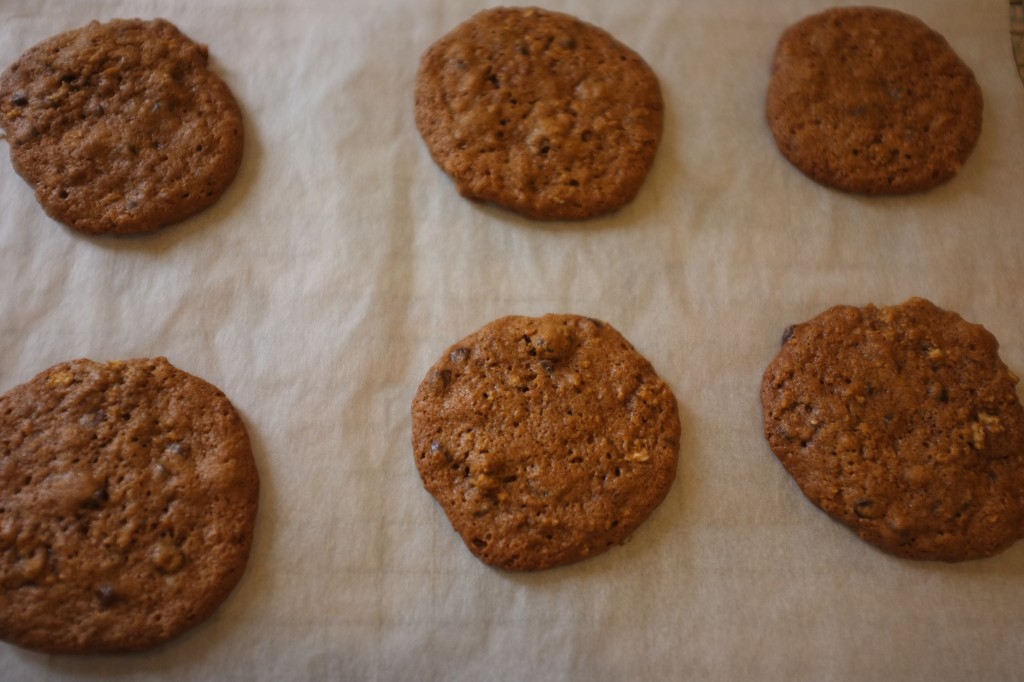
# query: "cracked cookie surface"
{"type": "Point", "coordinates": [121, 127]}
{"type": "Point", "coordinates": [540, 113]}
{"type": "Point", "coordinates": [545, 440]}
{"type": "Point", "coordinates": [128, 495]}
{"type": "Point", "coordinates": [872, 101]}
{"type": "Point", "coordinates": [902, 423]}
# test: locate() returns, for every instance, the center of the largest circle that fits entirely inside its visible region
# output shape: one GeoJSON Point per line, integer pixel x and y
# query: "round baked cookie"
{"type": "Point", "coordinates": [128, 496]}
{"type": "Point", "coordinates": [872, 101]}
{"type": "Point", "coordinates": [120, 127]}
{"type": "Point", "coordinates": [903, 423]}
{"type": "Point", "coordinates": [540, 113]}
{"type": "Point", "coordinates": [545, 440]}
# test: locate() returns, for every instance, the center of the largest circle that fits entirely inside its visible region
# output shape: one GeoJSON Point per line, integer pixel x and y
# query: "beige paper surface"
{"type": "Point", "coordinates": [342, 262]}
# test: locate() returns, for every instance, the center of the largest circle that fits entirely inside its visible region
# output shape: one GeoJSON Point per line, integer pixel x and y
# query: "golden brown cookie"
{"type": "Point", "coordinates": [121, 127]}
{"type": "Point", "coordinates": [872, 101]}
{"type": "Point", "coordinates": [545, 440]}
{"type": "Point", "coordinates": [128, 496]}
{"type": "Point", "coordinates": [903, 423]}
{"type": "Point", "coordinates": [539, 112]}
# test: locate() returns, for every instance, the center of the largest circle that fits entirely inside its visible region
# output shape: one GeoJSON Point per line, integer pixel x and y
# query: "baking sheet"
{"type": "Point", "coordinates": [342, 262]}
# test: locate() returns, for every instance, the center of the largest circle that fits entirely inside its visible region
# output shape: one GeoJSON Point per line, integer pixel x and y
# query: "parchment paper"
{"type": "Point", "coordinates": [342, 262]}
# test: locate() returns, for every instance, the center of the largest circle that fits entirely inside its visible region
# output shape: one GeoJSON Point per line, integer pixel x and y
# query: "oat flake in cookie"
{"type": "Point", "coordinates": [903, 423]}
{"type": "Point", "coordinates": [128, 495]}
{"type": "Point", "coordinates": [872, 101]}
{"type": "Point", "coordinates": [539, 112]}
{"type": "Point", "coordinates": [121, 127]}
{"type": "Point", "coordinates": [545, 440]}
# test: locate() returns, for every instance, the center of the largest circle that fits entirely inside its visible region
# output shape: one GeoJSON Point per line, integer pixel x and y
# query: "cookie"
{"type": "Point", "coordinates": [545, 440]}
{"type": "Point", "coordinates": [128, 496]}
{"type": "Point", "coordinates": [540, 113]}
{"type": "Point", "coordinates": [872, 101]}
{"type": "Point", "coordinates": [902, 423]}
{"type": "Point", "coordinates": [120, 127]}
